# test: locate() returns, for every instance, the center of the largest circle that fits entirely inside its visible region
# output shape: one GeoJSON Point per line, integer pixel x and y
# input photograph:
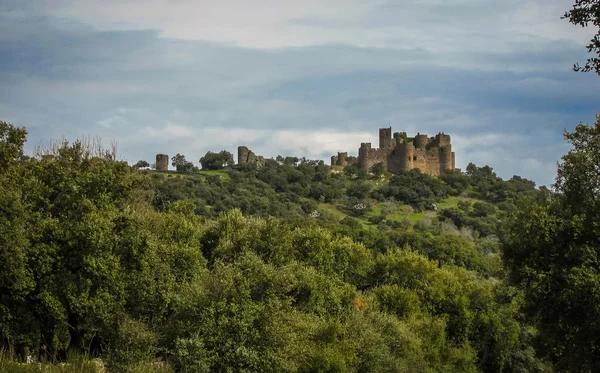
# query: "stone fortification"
{"type": "Point", "coordinates": [247, 156]}
{"type": "Point", "coordinates": [162, 162]}
{"type": "Point", "coordinates": [431, 155]}
{"type": "Point", "coordinates": [342, 159]}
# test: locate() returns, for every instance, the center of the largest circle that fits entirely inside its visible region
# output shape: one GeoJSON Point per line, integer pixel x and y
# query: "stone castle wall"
{"type": "Point", "coordinates": [368, 157]}
{"type": "Point", "coordinates": [431, 155]}
{"type": "Point", "coordinates": [342, 159]}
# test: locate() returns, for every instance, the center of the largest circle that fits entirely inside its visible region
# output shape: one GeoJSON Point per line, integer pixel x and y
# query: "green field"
{"type": "Point", "coordinates": [222, 173]}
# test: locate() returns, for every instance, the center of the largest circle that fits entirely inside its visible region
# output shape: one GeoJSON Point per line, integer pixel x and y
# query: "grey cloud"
{"type": "Point", "coordinates": [165, 95]}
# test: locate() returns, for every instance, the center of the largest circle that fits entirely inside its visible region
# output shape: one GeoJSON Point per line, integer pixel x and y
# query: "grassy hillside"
{"type": "Point", "coordinates": [287, 268]}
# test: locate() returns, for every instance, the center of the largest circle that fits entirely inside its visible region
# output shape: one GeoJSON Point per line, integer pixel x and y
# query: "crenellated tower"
{"type": "Point", "coordinates": [385, 138]}
{"type": "Point", "coordinates": [432, 155]}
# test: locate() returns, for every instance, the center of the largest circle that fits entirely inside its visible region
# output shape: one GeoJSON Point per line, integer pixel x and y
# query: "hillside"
{"type": "Point", "coordinates": [290, 267]}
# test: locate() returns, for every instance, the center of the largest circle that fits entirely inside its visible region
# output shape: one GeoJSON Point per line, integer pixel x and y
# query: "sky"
{"type": "Point", "coordinates": [301, 78]}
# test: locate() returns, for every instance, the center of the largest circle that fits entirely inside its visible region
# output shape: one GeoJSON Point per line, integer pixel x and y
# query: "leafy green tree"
{"type": "Point", "coordinates": [12, 139]}
{"type": "Point", "coordinates": [141, 164]}
{"type": "Point", "coordinates": [482, 209]}
{"type": "Point", "coordinates": [351, 170]}
{"type": "Point", "coordinates": [359, 189]}
{"type": "Point", "coordinates": [378, 169]}
{"type": "Point", "coordinates": [464, 205]}
{"type": "Point", "coordinates": [587, 12]}
{"type": "Point", "coordinates": [551, 247]}
{"type": "Point", "coordinates": [216, 161]}
{"type": "Point", "coordinates": [181, 164]}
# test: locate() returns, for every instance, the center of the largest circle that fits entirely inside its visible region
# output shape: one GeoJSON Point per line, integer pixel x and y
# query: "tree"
{"type": "Point", "coordinates": [181, 164]}
{"type": "Point", "coordinates": [351, 170]}
{"type": "Point", "coordinates": [12, 139]}
{"type": "Point", "coordinates": [141, 164]}
{"type": "Point", "coordinates": [552, 250]}
{"type": "Point", "coordinates": [378, 169]}
{"type": "Point", "coordinates": [216, 161]}
{"type": "Point", "coordinates": [359, 189]}
{"type": "Point", "coordinates": [583, 13]}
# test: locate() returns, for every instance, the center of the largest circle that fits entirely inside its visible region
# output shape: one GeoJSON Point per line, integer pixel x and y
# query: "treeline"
{"type": "Point", "coordinates": [290, 188]}
{"type": "Point", "coordinates": [247, 272]}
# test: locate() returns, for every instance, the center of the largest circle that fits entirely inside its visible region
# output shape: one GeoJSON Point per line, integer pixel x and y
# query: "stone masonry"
{"type": "Point", "coordinates": [431, 155]}
{"type": "Point", "coordinates": [162, 162]}
{"type": "Point", "coordinates": [247, 156]}
{"type": "Point", "coordinates": [342, 159]}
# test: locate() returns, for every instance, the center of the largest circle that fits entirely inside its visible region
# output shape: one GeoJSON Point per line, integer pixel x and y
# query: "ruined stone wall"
{"type": "Point", "coordinates": [406, 157]}
{"type": "Point", "coordinates": [342, 159]}
{"type": "Point", "coordinates": [427, 161]}
{"type": "Point", "coordinates": [247, 156]}
{"type": "Point", "coordinates": [243, 153]}
{"type": "Point", "coordinates": [368, 157]}
{"type": "Point", "coordinates": [432, 155]}
{"type": "Point", "coordinates": [162, 162]}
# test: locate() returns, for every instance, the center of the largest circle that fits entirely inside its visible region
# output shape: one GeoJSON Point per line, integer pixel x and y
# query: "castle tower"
{"type": "Point", "coordinates": [363, 154]}
{"type": "Point", "coordinates": [364, 149]}
{"type": "Point", "coordinates": [421, 141]}
{"type": "Point", "coordinates": [342, 158]}
{"type": "Point", "coordinates": [442, 139]}
{"type": "Point", "coordinates": [446, 158]}
{"type": "Point", "coordinates": [334, 160]}
{"type": "Point", "coordinates": [162, 162]}
{"type": "Point", "coordinates": [397, 138]}
{"type": "Point", "coordinates": [385, 138]}
{"type": "Point", "coordinates": [406, 153]}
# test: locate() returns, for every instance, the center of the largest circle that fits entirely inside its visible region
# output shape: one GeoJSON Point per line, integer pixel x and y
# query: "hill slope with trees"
{"type": "Point", "coordinates": [295, 266]}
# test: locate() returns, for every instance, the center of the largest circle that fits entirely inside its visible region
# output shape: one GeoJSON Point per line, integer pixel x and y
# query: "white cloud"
{"type": "Point", "coordinates": [435, 25]}
{"type": "Point", "coordinates": [483, 71]}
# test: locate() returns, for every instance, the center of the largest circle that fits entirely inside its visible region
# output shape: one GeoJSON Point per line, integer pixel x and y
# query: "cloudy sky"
{"type": "Point", "coordinates": [299, 77]}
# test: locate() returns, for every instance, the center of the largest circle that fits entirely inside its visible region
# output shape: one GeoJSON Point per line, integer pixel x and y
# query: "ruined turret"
{"type": "Point", "coordinates": [162, 162]}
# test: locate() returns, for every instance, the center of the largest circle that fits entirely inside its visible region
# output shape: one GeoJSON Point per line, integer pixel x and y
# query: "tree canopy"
{"type": "Point", "coordinates": [552, 249]}
{"type": "Point", "coordinates": [585, 13]}
{"type": "Point", "coordinates": [248, 270]}
{"type": "Point", "coordinates": [216, 161]}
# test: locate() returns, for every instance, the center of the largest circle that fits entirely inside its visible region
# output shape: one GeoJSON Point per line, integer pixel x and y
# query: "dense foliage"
{"type": "Point", "coordinates": [552, 251]}
{"type": "Point", "coordinates": [216, 161]}
{"type": "Point", "coordinates": [296, 266]}
{"type": "Point", "coordinates": [584, 13]}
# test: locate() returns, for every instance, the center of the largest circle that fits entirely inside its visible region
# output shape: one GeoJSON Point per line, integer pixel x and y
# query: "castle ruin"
{"type": "Point", "coordinates": [431, 155]}
{"type": "Point", "coordinates": [342, 159]}
{"type": "Point", "coordinates": [162, 162]}
{"type": "Point", "coordinates": [247, 156]}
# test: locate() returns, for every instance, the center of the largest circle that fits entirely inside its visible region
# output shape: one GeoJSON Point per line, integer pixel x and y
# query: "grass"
{"type": "Point", "coordinates": [214, 173]}
{"type": "Point", "coordinates": [452, 202]}
{"type": "Point", "coordinates": [403, 211]}
{"type": "Point", "coordinates": [332, 210]}
{"type": "Point", "coordinates": [77, 364]}
{"type": "Point", "coordinates": [221, 173]}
